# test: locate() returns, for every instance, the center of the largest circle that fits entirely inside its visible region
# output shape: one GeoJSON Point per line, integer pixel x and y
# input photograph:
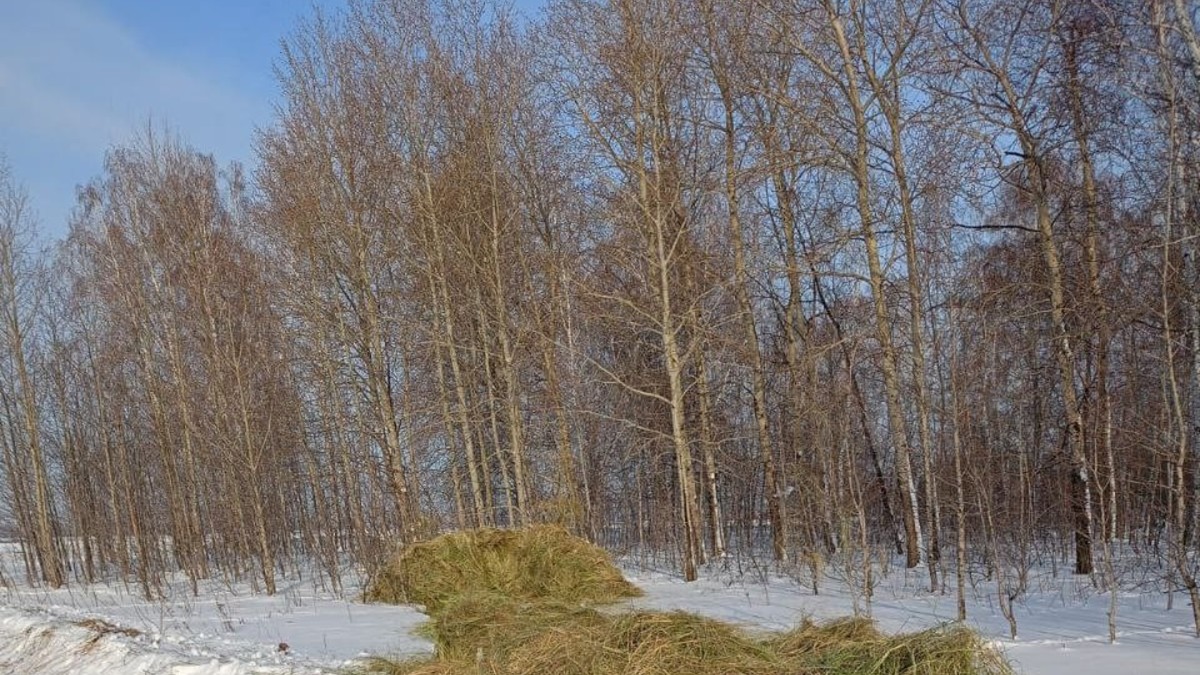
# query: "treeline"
{"type": "Point", "coordinates": [818, 280]}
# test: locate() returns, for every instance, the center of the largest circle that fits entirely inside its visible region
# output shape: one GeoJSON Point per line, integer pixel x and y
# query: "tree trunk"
{"type": "Point", "coordinates": [897, 427]}
{"type": "Point", "coordinates": [741, 289]}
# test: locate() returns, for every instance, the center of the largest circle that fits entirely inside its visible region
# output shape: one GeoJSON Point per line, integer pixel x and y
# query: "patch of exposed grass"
{"type": "Point", "coordinates": [543, 562]}
{"type": "Point", "coordinates": [102, 627]}
{"type": "Point", "coordinates": [854, 646]}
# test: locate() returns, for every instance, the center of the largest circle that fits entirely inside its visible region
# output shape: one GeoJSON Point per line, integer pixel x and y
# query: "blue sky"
{"type": "Point", "coordinates": [77, 76]}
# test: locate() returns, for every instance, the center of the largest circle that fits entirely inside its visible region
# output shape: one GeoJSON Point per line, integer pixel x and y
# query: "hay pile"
{"type": "Point", "coordinates": [498, 625]}
{"type": "Point", "coordinates": [520, 603]}
{"type": "Point", "coordinates": [855, 646]}
{"type": "Point", "coordinates": [645, 643]}
{"type": "Point", "coordinates": [543, 562]}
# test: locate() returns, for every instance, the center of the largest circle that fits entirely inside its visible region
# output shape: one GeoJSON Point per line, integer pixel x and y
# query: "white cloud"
{"type": "Point", "coordinates": [73, 82]}
{"type": "Point", "coordinates": [74, 71]}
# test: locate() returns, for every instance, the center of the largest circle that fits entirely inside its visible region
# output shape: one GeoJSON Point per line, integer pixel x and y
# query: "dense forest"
{"type": "Point", "coordinates": [812, 281]}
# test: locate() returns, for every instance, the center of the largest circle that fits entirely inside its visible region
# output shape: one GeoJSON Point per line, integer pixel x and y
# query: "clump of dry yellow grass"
{"type": "Point", "coordinates": [543, 562]}
{"type": "Point", "coordinates": [645, 643]}
{"type": "Point", "coordinates": [855, 646]}
{"type": "Point", "coordinates": [490, 626]}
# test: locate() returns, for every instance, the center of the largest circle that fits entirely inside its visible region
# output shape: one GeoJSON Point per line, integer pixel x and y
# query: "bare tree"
{"type": "Point", "coordinates": [25, 453]}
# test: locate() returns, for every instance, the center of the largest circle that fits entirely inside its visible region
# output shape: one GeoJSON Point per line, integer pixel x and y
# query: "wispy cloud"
{"type": "Point", "coordinates": [73, 81]}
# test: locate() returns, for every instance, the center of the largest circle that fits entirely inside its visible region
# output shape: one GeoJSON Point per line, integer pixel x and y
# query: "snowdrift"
{"type": "Point", "coordinates": [35, 642]}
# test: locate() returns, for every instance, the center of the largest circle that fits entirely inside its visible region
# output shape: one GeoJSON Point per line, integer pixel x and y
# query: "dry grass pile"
{"type": "Point", "coordinates": [543, 562]}
{"type": "Point", "coordinates": [644, 643]}
{"type": "Point", "coordinates": [854, 646]}
{"type": "Point", "coordinates": [501, 605]}
{"type": "Point", "coordinates": [491, 626]}
{"type": "Point", "coordinates": [563, 641]}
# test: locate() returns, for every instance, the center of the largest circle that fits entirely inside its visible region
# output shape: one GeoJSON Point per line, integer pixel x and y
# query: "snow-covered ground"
{"type": "Point", "coordinates": [222, 631]}
{"type": "Point", "coordinates": [231, 631]}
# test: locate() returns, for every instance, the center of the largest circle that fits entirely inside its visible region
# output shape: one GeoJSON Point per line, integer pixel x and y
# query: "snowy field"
{"type": "Point", "coordinates": [110, 629]}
